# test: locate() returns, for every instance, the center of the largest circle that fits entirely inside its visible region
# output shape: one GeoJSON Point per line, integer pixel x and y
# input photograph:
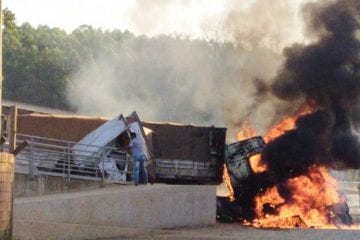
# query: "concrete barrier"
{"type": "Point", "coordinates": [43, 185]}
{"type": "Point", "coordinates": [352, 194]}
{"type": "Point", "coordinates": [150, 206]}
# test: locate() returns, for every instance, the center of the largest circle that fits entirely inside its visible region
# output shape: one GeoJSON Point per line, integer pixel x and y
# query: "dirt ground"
{"type": "Point", "coordinates": [236, 231]}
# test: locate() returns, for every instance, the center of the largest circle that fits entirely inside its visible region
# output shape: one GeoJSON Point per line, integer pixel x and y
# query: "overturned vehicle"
{"type": "Point", "coordinates": [230, 202]}
{"type": "Point", "coordinates": [176, 153]}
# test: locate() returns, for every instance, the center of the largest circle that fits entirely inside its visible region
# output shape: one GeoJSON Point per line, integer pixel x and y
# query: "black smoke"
{"type": "Point", "coordinates": [326, 72]}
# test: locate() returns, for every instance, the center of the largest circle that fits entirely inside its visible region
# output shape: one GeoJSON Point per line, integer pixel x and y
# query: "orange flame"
{"type": "Point", "coordinates": [246, 131]}
{"type": "Point", "coordinates": [309, 204]}
{"type": "Point", "coordinates": [227, 181]}
{"type": "Point", "coordinates": [311, 197]}
{"type": "Point", "coordinates": [257, 166]}
{"type": "Point", "coordinates": [286, 124]}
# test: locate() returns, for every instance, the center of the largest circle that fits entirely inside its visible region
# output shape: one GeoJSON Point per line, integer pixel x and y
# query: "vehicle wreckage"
{"type": "Point", "coordinates": [176, 153]}
{"type": "Point", "coordinates": [247, 183]}
{"type": "Point", "coordinates": [190, 154]}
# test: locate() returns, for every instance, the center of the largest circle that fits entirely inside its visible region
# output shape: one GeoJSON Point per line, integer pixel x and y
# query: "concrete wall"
{"type": "Point", "coordinates": [42, 185]}
{"type": "Point", "coordinates": [352, 194]}
{"type": "Point", "coordinates": [145, 206]}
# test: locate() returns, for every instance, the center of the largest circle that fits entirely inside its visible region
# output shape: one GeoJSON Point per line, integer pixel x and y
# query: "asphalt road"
{"type": "Point", "coordinates": [236, 231]}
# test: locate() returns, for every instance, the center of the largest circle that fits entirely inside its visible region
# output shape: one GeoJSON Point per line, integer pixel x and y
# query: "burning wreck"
{"type": "Point", "coordinates": [281, 194]}
{"type": "Point", "coordinates": [286, 182]}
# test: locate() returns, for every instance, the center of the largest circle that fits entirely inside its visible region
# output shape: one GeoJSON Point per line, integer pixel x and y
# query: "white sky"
{"type": "Point", "coordinates": [151, 17]}
{"type": "Point", "coordinates": [195, 18]}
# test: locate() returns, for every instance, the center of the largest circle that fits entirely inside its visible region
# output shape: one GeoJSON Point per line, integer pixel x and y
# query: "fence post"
{"type": "Point", "coordinates": [68, 161]}
{"type": "Point", "coordinates": [13, 128]}
{"type": "Point", "coordinates": [103, 167]}
{"type": "Point", "coordinates": [31, 163]}
{"type": "Point", "coordinates": [130, 169]}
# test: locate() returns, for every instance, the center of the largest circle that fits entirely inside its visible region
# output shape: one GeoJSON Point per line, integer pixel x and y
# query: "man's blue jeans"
{"type": "Point", "coordinates": [139, 169]}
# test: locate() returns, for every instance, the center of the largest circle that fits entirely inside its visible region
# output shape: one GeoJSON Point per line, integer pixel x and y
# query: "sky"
{"type": "Point", "coordinates": [262, 27]}
{"type": "Point", "coordinates": [194, 18]}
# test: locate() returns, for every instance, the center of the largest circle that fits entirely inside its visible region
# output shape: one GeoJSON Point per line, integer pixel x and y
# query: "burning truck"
{"type": "Point", "coordinates": [290, 184]}
{"type": "Point", "coordinates": [254, 197]}
{"type": "Point", "coordinates": [283, 180]}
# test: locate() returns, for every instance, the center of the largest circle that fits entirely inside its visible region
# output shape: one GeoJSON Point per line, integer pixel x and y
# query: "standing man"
{"type": "Point", "coordinates": [139, 159]}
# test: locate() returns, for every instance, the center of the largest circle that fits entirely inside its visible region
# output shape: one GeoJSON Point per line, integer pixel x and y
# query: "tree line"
{"type": "Point", "coordinates": [41, 64]}
{"type": "Point", "coordinates": [37, 62]}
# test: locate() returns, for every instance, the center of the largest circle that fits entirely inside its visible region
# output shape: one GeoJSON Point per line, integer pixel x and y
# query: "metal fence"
{"type": "Point", "coordinates": [44, 156]}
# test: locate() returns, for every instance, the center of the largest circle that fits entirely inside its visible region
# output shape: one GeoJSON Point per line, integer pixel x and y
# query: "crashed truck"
{"type": "Point", "coordinates": [105, 147]}
{"type": "Point", "coordinates": [246, 184]}
{"type": "Point", "coordinates": [176, 153]}
{"type": "Point", "coordinates": [238, 156]}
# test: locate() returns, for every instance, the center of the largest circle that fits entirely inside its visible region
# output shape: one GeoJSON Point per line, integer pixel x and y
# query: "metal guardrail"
{"type": "Point", "coordinates": [352, 175]}
{"type": "Point", "coordinates": [44, 156]}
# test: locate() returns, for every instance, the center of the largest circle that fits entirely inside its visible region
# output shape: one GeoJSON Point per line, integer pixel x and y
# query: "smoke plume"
{"type": "Point", "coordinates": [194, 81]}
{"type": "Point", "coordinates": [270, 24]}
{"type": "Point", "coordinates": [324, 74]}
{"type": "Point", "coordinates": [327, 73]}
